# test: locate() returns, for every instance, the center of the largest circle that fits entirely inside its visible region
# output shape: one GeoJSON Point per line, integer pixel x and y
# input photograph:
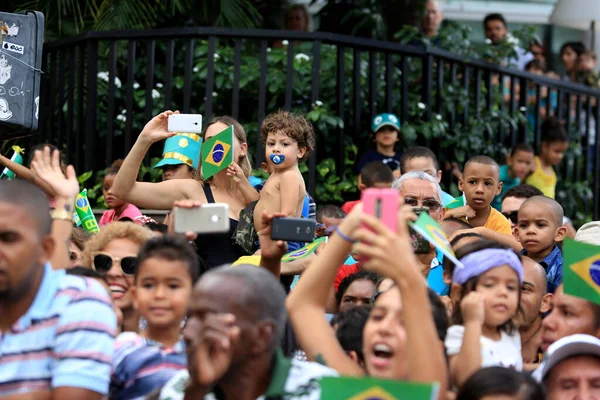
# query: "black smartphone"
{"type": "Point", "coordinates": [293, 229]}
{"type": "Point", "coordinates": [420, 245]}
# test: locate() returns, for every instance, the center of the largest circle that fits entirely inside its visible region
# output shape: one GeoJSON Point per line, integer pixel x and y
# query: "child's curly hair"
{"type": "Point", "coordinates": [293, 126]}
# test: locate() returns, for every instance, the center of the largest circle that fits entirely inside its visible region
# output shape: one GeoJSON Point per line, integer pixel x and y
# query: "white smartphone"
{"type": "Point", "coordinates": [185, 123]}
{"type": "Point", "coordinates": [208, 218]}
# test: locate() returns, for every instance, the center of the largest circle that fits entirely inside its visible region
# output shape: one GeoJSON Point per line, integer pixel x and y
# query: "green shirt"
{"type": "Point", "coordinates": [291, 380]}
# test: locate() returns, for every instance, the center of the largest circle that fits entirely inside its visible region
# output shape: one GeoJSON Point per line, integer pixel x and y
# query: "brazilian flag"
{"type": "Point", "coordinates": [375, 389]}
{"type": "Point", "coordinates": [581, 270]}
{"type": "Point", "coordinates": [456, 203]}
{"type": "Point", "coordinates": [304, 251]}
{"type": "Point", "coordinates": [217, 152]}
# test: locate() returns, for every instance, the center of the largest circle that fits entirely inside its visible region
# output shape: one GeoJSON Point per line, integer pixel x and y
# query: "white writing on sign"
{"type": "Point", "coordinates": [15, 48]}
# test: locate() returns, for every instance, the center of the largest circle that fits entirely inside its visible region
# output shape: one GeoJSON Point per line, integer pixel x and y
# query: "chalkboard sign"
{"type": "Point", "coordinates": [21, 42]}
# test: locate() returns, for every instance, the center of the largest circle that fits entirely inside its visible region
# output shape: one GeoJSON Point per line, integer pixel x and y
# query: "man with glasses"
{"type": "Point", "coordinates": [57, 330]}
{"type": "Point", "coordinates": [419, 189]}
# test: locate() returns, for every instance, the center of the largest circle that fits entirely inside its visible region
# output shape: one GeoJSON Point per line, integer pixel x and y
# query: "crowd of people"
{"type": "Point", "coordinates": [137, 310]}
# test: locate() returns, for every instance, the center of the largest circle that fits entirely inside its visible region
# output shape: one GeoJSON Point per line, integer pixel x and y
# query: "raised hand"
{"type": "Point", "coordinates": [157, 128]}
{"type": "Point", "coordinates": [235, 171]}
{"type": "Point", "coordinates": [472, 308]}
{"type": "Point", "coordinates": [46, 166]}
{"type": "Point", "coordinates": [269, 248]}
{"type": "Point", "coordinates": [464, 211]}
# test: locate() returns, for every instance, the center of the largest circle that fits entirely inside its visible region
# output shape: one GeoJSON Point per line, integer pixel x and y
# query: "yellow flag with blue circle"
{"type": "Point", "coordinates": [217, 152]}
{"type": "Point", "coordinates": [346, 388]}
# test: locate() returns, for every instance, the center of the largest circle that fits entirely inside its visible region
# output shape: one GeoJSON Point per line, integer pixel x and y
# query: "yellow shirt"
{"type": "Point", "coordinates": [498, 222]}
{"type": "Point", "coordinates": [252, 260]}
{"type": "Point", "coordinates": [545, 182]}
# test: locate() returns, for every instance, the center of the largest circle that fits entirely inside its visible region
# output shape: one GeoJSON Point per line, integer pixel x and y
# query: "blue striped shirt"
{"type": "Point", "coordinates": [65, 339]}
{"type": "Point", "coordinates": [142, 365]}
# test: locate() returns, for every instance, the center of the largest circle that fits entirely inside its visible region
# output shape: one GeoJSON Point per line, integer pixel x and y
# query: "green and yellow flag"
{"type": "Point", "coordinates": [16, 157]}
{"type": "Point", "coordinates": [217, 152]}
{"type": "Point", "coordinates": [379, 389]}
{"type": "Point", "coordinates": [304, 251]}
{"type": "Point", "coordinates": [581, 270]}
{"type": "Point", "coordinates": [84, 211]}
{"type": "Point", "coordinates": [434, 234]}
{"type": "Point", "coordinates": [456, 203]}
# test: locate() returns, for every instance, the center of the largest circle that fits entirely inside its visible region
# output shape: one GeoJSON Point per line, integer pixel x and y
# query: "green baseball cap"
{"type": "Point", "coordinates": [386, 119]}
{"type": "Point", "coordinates": [184, 148]}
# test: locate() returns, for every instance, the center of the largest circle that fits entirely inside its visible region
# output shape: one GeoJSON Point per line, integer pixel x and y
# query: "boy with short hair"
{"type": "Point", "coordinates": [518, 166]}
{"type": "Point", "coordinates": [539, 230]}
{"type": "Point", "coordinates": [555, 143]}
{"type": "Point", "coordinates": [288, 139]}
{"type": "Point", "coordinates": [481, 183]}
{"type": "Point", "coordinates": [419, 158]}
{"type": "Point", "coordinates": [385, 134]}
{"type": "Point", "coordinates": [374, 175]}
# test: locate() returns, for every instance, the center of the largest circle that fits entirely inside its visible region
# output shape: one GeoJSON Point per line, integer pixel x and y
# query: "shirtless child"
{"type": "Point", "coordinates": [288, 139]}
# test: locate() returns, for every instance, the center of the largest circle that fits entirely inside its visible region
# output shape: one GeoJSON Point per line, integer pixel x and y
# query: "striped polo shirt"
{"type": "Point", "coordinates": [141, 365]}
{"type": "Point", "coordinates": [65, 339]}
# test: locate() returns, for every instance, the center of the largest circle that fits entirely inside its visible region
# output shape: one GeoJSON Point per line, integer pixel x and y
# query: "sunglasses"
{"type": "Point", "coordinates": [431, 204]}
{"type": "Point", "coordinates": [103, 262]}
{"type": "Point", "coordinates": [512, 217]}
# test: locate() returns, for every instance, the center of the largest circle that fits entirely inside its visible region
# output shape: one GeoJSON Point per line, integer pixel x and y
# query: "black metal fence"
{"type": "Point", "coordinates": [100, 88]}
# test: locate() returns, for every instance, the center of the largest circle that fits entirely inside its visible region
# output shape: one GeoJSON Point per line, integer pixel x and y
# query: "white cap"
{"type": "Point", "coordinates": [569, 346]}
{"type": "Point", "coordinates": [589, 233]}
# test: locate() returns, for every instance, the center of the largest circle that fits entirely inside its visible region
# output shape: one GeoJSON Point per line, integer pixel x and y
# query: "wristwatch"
{"type": "Point", "coordinates": [61, 215]}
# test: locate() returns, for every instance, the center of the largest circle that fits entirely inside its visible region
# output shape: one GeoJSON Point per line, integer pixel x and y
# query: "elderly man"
{"type": "Point", "coordinates": [419, 189]}
{"type": "Point", "coordinates": [571, 369]}
{"type": "Point", "coordinates": [432, 19]}
{"type": "Point", "coordinates": [570, 315]}
{"type": "Point", "coordinates": [237, 319]}
{"type": "Point", "coordinates": [535, 302]}
{"type": "Point", "coordinates": [57, 330]}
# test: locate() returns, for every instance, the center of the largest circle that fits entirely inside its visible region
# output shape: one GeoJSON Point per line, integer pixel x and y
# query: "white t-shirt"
{"type": "Point", "coordinates": [505, 352]}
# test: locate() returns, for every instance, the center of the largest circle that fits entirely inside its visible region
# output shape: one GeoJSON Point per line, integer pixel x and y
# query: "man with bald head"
{"type": "Point", "coordinates": [535, 302]}
{"type": "Point", "coordinates": [539, 229]}
{"type": "Point", "coordinates": [235, 325]}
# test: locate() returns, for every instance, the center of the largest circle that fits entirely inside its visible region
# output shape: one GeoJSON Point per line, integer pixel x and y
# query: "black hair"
{"type": "Point", "coordinates": [471, 285]}
{"type": "Point", "coordinates": [41, 147]}
{"type": "Point", "coordinates": [25, 195]}
{"type": "Point", "coordinates": [462, 223]}
{"type": "Point", "coordinates": [448, 265]}
{"type": "Point", "coordinates": [376, 172]}
{"type": "Point", "coordinates": [535, 64]}
{"type": "Point", "coordinates": [440, 316]}
{"type": "Point", "coordinates": [329, 211]}
{"type": "Point", "coordinates": [553, 131]}
{"type": "Point", "coordinates": [491, 381]}
{"type": "Point", "coordinates": [523, 191]}
{"type": "Point", "coordinates": [526, 147]}
{"type": "Point", "coordinates": [350, 327]}
{"type": "Point", "coordinates": [170, 248]}
{"type": "Point", "coordinates": [84, 271]}
{"type": "Point", "coordinates": [494, 17]}
{"type": "Point", "coordinates": [577, 47]}
{"type": "Point", "coordinates": [485, 160]}
{"type": "Point", "coordinates": [156, 227]}
{"type": "Point", "coordinates": [350, 279]}
{"type": "Point", "coordinates": [416, 152]}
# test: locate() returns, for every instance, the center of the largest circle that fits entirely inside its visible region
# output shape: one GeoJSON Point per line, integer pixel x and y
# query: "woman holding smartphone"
{"type": "Point", "coordinates": [214, 249]}
{"type": "Point", "coordinates": [398, 341]}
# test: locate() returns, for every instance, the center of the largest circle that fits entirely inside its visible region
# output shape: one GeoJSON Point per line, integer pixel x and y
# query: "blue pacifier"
{"type": "Point", "coordinates": [277, 158]}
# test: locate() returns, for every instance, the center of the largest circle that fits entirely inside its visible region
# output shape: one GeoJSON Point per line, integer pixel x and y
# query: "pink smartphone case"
{"type": "Point", "coordinates": [388, 206]}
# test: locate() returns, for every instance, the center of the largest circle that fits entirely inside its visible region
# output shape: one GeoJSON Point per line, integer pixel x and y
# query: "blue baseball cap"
{"type": "Point", "coordinates": [184, 148]}
{"type": "Point", "coordinates": [386, 119]}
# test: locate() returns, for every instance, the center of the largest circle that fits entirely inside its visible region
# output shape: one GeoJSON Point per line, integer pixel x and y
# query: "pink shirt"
{"type": "Point", "coordinates": [131, 212]}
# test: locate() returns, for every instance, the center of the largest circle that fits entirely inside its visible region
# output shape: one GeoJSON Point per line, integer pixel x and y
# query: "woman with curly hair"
{"type": "Point", "coordinates": [113, 254]}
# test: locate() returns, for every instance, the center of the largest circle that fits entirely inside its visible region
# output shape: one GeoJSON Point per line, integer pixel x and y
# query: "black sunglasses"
{"type": "Point", "coordinates": [431, 204]}
{"type": "Point", "coordinates": [103, 262]}
{"type": "Point", "coordinates": [512, 217]}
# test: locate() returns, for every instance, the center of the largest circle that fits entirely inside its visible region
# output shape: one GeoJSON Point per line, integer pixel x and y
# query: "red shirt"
{"type": "Point", "coordinates": [344, 271]}
{"type": "Point", "coordinates": [349, 205]}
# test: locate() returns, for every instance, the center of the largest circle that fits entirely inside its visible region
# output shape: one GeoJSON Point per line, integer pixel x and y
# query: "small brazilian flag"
{"type": "Point", "coordinates": [217, 153]}
{"type": "Point", "coordinates": [434, 234]}
{"type": "Point", "coordinates": [456, 203]}
{"type": "Point", "coordinates": [304, 251]}
{"type": "Point", "coordinates": [380, 389]}
{"type": "Point", "coordinates": [581, 270]}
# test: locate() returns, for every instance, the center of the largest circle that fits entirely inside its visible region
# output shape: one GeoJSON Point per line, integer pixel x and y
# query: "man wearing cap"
{"type": "Point", "coordinates": [571, 368]}
{"type": "Point", "coordinates": [180, 156]}
{"type": "Point", "coordinates": [386, 132]}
